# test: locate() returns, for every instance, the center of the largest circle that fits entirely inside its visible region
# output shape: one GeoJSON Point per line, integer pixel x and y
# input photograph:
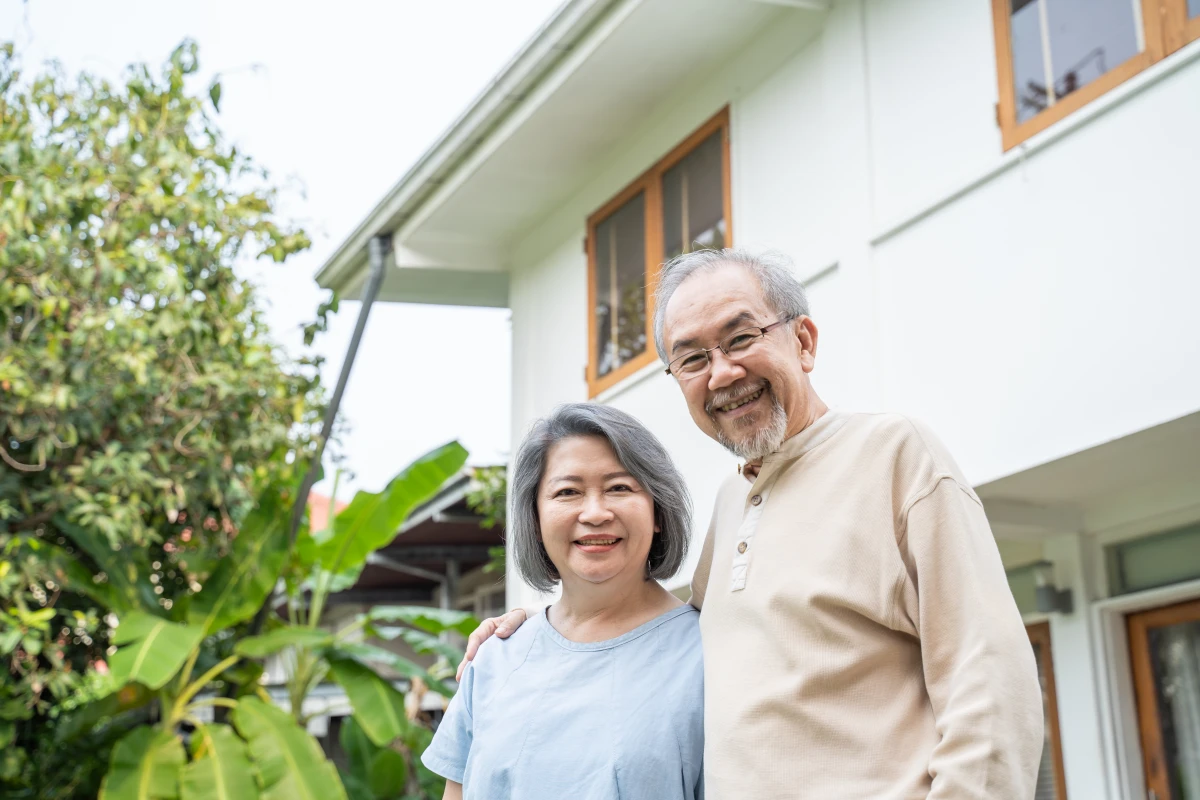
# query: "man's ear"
{"type": "Point", "coordinates": [806, 333]}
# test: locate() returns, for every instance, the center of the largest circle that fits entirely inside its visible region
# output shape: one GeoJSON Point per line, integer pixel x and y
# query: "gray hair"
{"type": "Point", "coordinates": [639, 452]}
{"type": "Point", "coordinates": [775, 273]}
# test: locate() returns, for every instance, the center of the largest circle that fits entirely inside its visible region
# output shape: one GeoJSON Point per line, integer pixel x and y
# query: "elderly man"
{"type": "Point", "coordinates": [860, 640]}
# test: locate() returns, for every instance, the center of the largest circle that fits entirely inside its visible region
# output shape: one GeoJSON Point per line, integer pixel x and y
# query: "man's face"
{"type": "Point", "coordinates": [751, 404]}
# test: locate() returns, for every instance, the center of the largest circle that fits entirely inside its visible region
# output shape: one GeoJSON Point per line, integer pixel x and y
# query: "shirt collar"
{"type": "Point", "coordinates": [794, 447]}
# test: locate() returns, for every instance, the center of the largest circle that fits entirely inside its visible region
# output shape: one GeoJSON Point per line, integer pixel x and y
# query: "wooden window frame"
{"type": "Point", "coordinates": [1039, 634]}
{"type": "Point", "coordinates": [649, 183]}
{"type": "Point", "coordinates": [1166, 29]}
{"type": "Point", "coordinates": [1149, 727]}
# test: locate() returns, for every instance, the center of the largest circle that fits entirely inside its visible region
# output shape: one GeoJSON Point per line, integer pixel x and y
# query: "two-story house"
{"type": "Point", "coordinates": [992, 205]}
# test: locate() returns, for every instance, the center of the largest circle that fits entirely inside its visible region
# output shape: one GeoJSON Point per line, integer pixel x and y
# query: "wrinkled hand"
{"type": "Point", "coordinates": [502, 626]}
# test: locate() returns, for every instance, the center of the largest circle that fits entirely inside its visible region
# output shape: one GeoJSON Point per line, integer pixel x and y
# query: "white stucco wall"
{"type": "Point", "coordinates": [1041, 312]}
{"type": "Point", "coordinates": [1027, 305]}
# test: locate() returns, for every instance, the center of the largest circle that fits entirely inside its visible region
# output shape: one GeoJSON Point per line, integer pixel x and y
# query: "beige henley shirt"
{"type": "Point", "coordinates": [860, 639]}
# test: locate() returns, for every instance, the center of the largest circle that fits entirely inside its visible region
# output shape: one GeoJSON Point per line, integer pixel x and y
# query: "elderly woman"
{"type": "Point", "coordinates": [601, 696]}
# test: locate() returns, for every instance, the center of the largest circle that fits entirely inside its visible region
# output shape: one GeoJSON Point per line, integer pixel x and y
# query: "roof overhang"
{"type": "Point", "coordinates": [596, 70]}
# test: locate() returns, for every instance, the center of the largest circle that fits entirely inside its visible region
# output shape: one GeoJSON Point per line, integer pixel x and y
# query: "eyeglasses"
{"type": "Point", "coordinates": [695, 363]}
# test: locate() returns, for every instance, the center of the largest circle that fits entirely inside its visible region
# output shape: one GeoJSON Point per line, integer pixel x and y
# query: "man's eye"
{"type": "Point", "coordinates": [740, 341]}
{"type": "Point", "coordinates": [694, 360]}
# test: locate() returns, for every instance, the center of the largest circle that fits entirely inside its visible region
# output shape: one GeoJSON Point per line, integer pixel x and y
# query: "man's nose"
{"type": "Point", "coordinates": [723, 371]}
{"type": "Point", "coordinates": [595, 511]}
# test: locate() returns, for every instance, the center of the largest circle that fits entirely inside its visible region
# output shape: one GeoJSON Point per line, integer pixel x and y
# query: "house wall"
{"type": "Point", "coordinates": [1027, 305]}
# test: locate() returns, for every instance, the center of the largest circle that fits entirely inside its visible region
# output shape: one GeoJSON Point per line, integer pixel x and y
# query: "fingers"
{"type": "Point", "coordinates": [510, 622]}
{"type": "Point", "coordinates": [477, 637]}
{"type": "Point", "coordinates": [500, 626]}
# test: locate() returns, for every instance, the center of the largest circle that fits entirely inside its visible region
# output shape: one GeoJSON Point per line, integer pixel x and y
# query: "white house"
{"type": "Point", "coordinates": [992, 204]}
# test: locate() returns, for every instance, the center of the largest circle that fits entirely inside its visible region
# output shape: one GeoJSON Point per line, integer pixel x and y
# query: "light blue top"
{"type": "Point", "coordinates": [539, 717]}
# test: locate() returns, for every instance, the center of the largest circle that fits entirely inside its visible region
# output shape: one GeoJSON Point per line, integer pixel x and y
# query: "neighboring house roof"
{"type": "Point", "coordinates": [318, 510]}
{"type": "Point", "coordinates": [545, 126]}
{"type": "Point", "coordinates": [440, 530]}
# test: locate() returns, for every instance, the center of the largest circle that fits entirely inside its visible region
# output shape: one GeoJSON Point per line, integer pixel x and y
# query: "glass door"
{"type": "Point", "coordinates": [1165, 653]}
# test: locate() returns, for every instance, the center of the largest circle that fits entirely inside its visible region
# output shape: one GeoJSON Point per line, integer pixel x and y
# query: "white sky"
{"type": "Point", "coordinates": [337, 100]}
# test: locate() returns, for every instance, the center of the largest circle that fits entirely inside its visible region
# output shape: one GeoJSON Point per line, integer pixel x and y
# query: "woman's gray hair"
{"type": "Point", "coordinates": [776, 275]}
{"type": "Point", "coordinates": [639, 452]}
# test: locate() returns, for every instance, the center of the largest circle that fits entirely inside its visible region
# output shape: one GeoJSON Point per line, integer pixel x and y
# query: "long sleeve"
{"type": "Point", "coordinates": [979, 668]}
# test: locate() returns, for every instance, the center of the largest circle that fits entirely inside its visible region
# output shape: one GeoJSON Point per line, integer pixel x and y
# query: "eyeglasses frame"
{"type": "Point", "coordinates": [762, 333]}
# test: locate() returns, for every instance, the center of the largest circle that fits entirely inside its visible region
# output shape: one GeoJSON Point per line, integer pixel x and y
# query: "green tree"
{"type": "Point", "coordinates": [142, 404]}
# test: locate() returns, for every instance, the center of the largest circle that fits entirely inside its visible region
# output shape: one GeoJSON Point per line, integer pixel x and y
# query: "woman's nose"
{"type": "Point", "coordinates": [595, 511]}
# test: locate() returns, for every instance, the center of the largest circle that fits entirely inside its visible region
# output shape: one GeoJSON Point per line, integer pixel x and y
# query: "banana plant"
{"type": "Point", "coordinates": [332, 558]}
{"type": "Point", "coordinates": [265, 752]}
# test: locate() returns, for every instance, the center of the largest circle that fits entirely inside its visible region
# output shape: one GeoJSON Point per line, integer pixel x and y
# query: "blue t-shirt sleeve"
{"type": "Point", "coordinates": [447, 753]}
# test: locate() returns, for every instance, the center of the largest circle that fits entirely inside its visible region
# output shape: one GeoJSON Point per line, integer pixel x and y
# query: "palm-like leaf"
{"type": "Point", "coordinates": [145, 765]}
{"type": "Point", "coordinates": [372, 518]}
{"type": "Point", "coordinates": [378, 707]}
{"type": "Point", "coordinates": [370, 654]}
{"type": "Point", "coordinates": [241, 582]}
{"type": "Point", "coordinates": [289, 762]}
{"type": "Point", "coordinates": [154, 649]}
{"type": "Point", "coordinates": [220, 767]}
{"type": "Point", "coordinates": [274, 641]}
{"type": "Point", "coordinates": [430, 620]}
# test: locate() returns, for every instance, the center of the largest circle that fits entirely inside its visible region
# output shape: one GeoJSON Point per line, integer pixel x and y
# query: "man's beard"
{"type": "Point", "coordinates": [766, 439]}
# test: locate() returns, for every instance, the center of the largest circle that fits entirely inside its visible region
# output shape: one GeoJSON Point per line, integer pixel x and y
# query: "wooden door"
{"type": "Point", "coordinates": [1164, 646]}
{"type": "Point", "coordinates": [1051, 782]}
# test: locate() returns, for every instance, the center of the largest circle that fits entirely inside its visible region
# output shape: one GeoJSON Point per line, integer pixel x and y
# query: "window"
{"type": "Point", "coordinates": [1056, 56]}
{"type": "Point", "coordinates": [1051, 783]}
{"type": "Point", "coordinates": [679, 205]}
{"type": "Point", "coordinates": [1164, 647]}
{"type": "Point", "coordinates": [1153, 561]}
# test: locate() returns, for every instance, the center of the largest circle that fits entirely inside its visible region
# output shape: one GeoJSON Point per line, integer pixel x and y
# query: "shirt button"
{"type": "Point", "coordinates": [742, 547]}
{"type": "Point", "coordinates": [756, 500]}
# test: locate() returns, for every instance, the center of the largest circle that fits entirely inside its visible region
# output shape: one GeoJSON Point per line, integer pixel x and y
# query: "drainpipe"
{"type": "Point", "coordinates": [377, 250]}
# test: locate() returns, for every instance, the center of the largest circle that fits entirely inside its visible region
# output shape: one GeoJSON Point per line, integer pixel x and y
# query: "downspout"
{"type": "Point", "coordinates": [377, 252]}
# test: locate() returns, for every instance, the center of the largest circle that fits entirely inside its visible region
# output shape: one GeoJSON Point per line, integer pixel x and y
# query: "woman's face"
{"type": "Point", "coordinates": [597, 522]}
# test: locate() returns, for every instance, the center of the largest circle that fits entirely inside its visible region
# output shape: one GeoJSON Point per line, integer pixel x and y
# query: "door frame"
{"type": "Point", "coordinates": [1039, 634]}
{"type": "Point", "coordinates": [1139, 624]}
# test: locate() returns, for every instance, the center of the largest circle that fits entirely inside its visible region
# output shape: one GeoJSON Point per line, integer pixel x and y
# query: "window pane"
{"type": "Point", "coordinates": [694, 201]}
{"type": "Point", "coordinates": [1060, 46]}
{"type": "Point", "coordinates": [1175, 658]}
{"type": "Point", "coordinates": [1024, 589]}
{"type": "Point", "coordinates": [620, 289]}
{"type": "Point", "coordinates": [1193, 8]}
{"type": "Point", "coordinates": [1171, 557]}
{"type": "Point", "coordinates": [1047, 788]}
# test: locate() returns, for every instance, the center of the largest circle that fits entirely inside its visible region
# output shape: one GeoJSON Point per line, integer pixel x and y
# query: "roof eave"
{"type": "Point", "coordinates": [529, 67]}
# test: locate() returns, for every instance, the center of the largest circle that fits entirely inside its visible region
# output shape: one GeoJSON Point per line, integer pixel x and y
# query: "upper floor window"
{"type": "Point", "coordinates": [679, 205]}
{"type": "Point", "coordinates": [1055, 56]}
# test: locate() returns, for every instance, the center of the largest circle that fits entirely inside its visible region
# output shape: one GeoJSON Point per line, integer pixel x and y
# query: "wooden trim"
{"type": "Point", "coordinates": [649, 182]}
{"type": "Point", "coordinates": [1178, 30]}
{"type": "Point", "coordinates": [1039, 635]}
{"type": "Point", "coordinates": [1012, 133]}
{"type": "Point", "coordinates": [1149, 724]}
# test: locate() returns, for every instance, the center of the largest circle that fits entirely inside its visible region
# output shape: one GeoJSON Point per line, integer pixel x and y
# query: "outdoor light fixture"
{"type": "Point", "coordinates": [1049, 596]}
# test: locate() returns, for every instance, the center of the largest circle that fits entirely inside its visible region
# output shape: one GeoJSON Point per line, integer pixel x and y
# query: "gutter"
{"type": "Point", "coordinates": [573, 21]}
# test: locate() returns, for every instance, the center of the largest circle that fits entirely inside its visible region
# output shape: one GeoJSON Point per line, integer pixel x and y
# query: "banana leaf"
{"type": "Point", "coordinates": [372, 518]}
{"type": "Point", "coordinates": [370, 654]}
{"type": "Point", "coordinates": [388, 775]}
{"type": "Point", "coordinates": [127, 591]}
{"type": "Point", "coordinates": [430, 620]}
{"type": "Point", "coordinates": [220, 768]}
{"type": "Point", "coordinates": [242, 580]}
{"type": "Point", "coordinates": [378, 707]}
{"type": "Point", "coordinates": [420, 641]}
{"type": "Point", "coordinates": [289, 636]}
{"type": "Point", "coordinates": [289, 763]}
{"type": "Point", "coordinates": [154, 649]}
{"type": "Point", "coordinates": [145, 765]}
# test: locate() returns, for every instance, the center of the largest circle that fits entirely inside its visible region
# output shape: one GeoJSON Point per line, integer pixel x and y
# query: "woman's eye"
{"type": "Point", "coordinates": [565, 493]}
{"type": "Point", "coordinates": [620, 487]}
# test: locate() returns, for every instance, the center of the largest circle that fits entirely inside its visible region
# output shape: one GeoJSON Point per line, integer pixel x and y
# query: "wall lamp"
{"type": "Point", "coordinates": [1049, 596]}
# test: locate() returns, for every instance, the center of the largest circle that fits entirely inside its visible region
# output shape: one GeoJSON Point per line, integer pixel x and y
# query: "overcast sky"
{"type": "Point", "coordinates": [337, 100]}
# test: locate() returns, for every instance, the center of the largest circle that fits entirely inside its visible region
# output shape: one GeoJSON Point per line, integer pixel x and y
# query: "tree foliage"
{"type": "Point", "coordinates": [142, 403]}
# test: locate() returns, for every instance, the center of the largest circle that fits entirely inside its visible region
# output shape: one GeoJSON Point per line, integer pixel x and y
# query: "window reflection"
{"type": "Point", "coordinates": [620, 288]}
{"type": "Point", "coordinates": [693, 204]}
{"type": "Point", "coordinates": [1062, 46]}
{"type": "Point", "coordinates": [1175, 656]}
